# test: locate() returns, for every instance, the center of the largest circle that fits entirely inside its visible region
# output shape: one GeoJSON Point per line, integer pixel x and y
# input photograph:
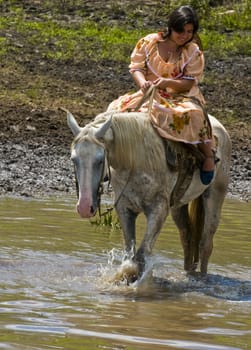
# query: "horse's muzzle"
{"type": "Point", "coordinates": [86, 211]}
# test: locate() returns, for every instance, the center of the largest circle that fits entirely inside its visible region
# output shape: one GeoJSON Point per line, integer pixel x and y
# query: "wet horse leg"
{"type": "Point", "coordinates": [181, 218]}
{"type": "Point", "coordinates": [156, 215]}
{"type": "Point", "coordinates": [127, 220]}
{"type": "Point", "coordinates": [213, 200]}
{"type": "Point", "coordinates": [128, 271]}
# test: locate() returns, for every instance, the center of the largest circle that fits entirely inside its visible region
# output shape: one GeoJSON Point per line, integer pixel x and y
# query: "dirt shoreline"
{"type": "Point", "coordinates": [39, 169]}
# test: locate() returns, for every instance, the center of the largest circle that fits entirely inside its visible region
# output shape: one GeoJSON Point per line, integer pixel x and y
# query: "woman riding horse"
{"type": "Point", "coordinates": [173, 63]}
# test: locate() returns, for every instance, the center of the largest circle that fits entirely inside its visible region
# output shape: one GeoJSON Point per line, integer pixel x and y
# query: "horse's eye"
{"type": "Point", "coordinates": [73, 159]}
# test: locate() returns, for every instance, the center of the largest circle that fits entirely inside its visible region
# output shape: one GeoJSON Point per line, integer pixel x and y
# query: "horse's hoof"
{"type": "Point", "coordinates": [127, 273]}
{"type": "Point", "coordinates": [190, 267]}
{"type": "Point", "coordinates": [131, 279]}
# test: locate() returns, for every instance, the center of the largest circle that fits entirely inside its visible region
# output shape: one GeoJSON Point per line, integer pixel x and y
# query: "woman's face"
{"type": "Point", "coordinates": [184, 36]}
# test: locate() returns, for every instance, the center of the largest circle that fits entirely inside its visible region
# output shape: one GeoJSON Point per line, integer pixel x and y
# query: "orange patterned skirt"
{"type": "Point", "coordinates": [175, 117]}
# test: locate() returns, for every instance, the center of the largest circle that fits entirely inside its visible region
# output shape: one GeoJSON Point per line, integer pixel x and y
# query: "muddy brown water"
{"type": "Point", "coordinates": [56, 290]}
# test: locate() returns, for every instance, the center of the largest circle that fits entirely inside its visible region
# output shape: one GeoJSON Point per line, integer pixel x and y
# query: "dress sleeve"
{"type": "Point", "coordinates": [138, 56]}
{"type": "Point", "coordinates": [193, 63]}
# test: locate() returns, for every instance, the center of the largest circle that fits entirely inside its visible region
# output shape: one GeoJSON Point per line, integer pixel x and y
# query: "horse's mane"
{"type": "Point", "coordinates": [136, 142]}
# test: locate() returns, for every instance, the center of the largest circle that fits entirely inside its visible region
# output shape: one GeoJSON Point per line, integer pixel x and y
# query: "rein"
{"type": "Point", "coordinates": [148, 95]}
{"type": "Point", "coordinates": [101, 191]}
{"type": "Point", "coordinates": [101, 186]}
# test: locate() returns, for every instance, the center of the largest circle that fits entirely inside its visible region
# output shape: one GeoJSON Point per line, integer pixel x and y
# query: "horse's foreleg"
{"type": "Point", "coordinates": [128, 270]}
{"type": "Point", "coordinates": [156, 215]}
{"type": "Point", "coordinates": [127, 219]}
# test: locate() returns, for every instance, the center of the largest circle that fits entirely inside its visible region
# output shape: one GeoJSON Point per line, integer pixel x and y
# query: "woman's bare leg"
{"type": "Point", "coordinates": [207, 168]}
{"type": "Point", "coordinates": [209, 162]}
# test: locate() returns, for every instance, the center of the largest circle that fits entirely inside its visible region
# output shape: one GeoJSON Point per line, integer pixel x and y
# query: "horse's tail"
{"type": "Point", "coordinates": [197, 218]}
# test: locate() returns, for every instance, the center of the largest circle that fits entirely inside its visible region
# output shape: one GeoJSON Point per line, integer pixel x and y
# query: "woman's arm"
{"type": "Point", "coordinates": [177, 85]}
{"type": "Point", "coordinates": [141, 81]}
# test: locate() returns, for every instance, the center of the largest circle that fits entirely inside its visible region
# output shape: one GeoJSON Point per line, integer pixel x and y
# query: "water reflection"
{"type": "Point", "coordinates": [55, 291]}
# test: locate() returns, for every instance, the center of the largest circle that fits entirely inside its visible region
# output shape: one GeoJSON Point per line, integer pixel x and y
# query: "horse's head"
{"type": "Point", "coordinates": [89, 159]}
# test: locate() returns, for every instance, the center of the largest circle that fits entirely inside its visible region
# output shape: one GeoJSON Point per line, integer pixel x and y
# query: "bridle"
{"type": "Point", "coordinates": [100, 189]}
{"type": "Point", "coordinates": [101, 186]}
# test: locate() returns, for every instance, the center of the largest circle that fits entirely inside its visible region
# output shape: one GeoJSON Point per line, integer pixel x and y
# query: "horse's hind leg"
{"type": "Point", "coordinates": [197, 232]}
{"type": "Point", "coordinates": [181, 218]}
{"type": "Point", "coordinates": [212, 201]}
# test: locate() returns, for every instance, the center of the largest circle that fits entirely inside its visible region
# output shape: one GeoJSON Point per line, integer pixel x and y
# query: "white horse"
{"type": "Point", "coordinates": [143, 181]}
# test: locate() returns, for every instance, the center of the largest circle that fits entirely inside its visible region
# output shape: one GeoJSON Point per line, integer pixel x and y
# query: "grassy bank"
{"type": "Point", "coordinates": [76, 53]}
{"type": "Point", "coordinates": [63, 30]}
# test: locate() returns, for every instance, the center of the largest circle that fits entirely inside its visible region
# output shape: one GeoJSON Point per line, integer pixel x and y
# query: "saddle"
{"type": "Point", "coordinates": [184, 159]}
{"type": "Point", "coordinates": [180, 157]}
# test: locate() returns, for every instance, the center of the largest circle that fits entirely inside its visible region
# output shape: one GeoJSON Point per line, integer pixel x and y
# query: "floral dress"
{"type": "Point", "coordinates": [177, 117]}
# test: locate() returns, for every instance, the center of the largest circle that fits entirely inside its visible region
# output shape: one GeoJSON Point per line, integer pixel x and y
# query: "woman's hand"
{"type": "Point", "coordinates": [145, 85]}
{"type": "Point", "coordinates": [161, 83]}
{"type": "Point", "coordinates": [141, 81]}
{"type": "Point", "coordinates": [177, 85]}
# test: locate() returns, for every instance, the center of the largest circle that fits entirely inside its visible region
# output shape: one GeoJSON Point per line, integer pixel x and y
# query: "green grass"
{"type": "Point", "coordinates": [224, 31]}
{"type": "Point", "coordinates": [87, 40]}
{"type": "Point", "coordinates": [221, 45]}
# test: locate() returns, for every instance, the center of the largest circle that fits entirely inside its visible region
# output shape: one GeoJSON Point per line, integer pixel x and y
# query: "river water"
{"type": "Point", "coordinates": [56, 291]}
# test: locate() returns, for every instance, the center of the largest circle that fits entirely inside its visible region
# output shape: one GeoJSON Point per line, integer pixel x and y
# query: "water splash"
{"type": "Point", "coordinates": [164, 278]}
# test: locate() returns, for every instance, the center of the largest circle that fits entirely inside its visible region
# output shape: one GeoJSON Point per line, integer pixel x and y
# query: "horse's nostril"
{"type": "Point", "coordinates": [92, 210]}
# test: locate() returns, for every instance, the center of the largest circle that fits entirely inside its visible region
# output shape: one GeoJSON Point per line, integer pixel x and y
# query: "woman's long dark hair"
{"type": "Point", "coordinates": [179, 18]}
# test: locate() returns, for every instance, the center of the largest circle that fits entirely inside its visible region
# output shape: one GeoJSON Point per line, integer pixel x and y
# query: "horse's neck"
{"type": "Point", "coordinates": [136, 144]}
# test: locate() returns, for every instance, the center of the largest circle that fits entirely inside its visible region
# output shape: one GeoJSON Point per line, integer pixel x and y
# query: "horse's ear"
{"type": "Point", "coordinates": [104, 133]}
{"type": "Point", "coordinates": [72, 123]}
